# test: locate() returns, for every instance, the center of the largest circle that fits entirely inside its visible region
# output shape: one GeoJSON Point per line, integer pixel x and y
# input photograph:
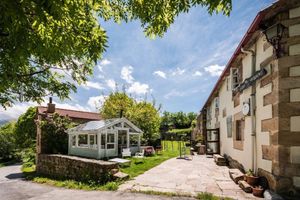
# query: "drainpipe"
{"type": "Point", "coordinates": [253, 108]}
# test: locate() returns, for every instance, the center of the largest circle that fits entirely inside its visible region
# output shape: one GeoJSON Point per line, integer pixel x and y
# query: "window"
{"type": "Point", "coordinates": [133, 140]}
{"type": "Point", "coordinates": [83, 140]}
{"type": "Point", "coordinates": [217, 102]}
{"type": "Point", "coordinates": [239, 130]}
{"type": "Point", "coordinates": [103, 139]}
{"type": "Point", "coordinates": [209, 113]}
{"type": "Point", "coordinates": [93, 141]}
{"type": "Point", "coordinates": [229, 126]}
{"type": "Point", "coordinates": [234, 78]}
{"type": "Point", "coordinates": [73, 140]}
{"type": "Point", "coordinates": [110, 141]}
{"type": "Point", "coordinates": [227, 84]}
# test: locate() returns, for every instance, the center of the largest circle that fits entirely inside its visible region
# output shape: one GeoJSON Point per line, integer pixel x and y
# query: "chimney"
{"type": "Point", "coordinates": [51, 106]}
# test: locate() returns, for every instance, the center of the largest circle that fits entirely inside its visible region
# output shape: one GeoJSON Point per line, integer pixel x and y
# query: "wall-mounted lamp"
{"type": "Point", "coordinates": [274, 34]}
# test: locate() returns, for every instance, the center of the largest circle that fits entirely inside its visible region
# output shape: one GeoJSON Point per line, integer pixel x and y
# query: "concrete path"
{"type": "Point", "coordinates": [13, 187]}
{"type": "Point", "coordinates": [182, 176]}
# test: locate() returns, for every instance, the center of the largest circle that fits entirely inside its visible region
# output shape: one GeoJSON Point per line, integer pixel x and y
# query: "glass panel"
{"type": "Point", "coordinates": [82, 140]}
{"type": "Point", "coordinates": [110, 138]}
{"type": "Point", "coordinates": [133, 140]}
{"type": "Point", "coordinates": [110, 146]}
{"type": "Point", "coordinates": [103, 141]}
{"type": "Point", "coordinates": [73, 140]}
{"type": "Point", "coordinates": [93, 139]}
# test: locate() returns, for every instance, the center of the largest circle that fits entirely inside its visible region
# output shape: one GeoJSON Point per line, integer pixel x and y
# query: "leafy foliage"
{"type": "Point", "coordinates": [178, 120]}
{"type": "Point", "coordinates": [54, 136]}
{"type": "Point", "coordinates": [143, 114]}
{"type": "Point", "coordinates": [26, 129]}
{"type": "Point", "coordinates": [7, 141]}
{"type": "Point", "coordinates": [48, 46]}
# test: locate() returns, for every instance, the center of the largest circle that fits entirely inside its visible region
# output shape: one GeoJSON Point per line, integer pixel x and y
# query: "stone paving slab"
{"type": "Point", "coordinates": [182, 176]}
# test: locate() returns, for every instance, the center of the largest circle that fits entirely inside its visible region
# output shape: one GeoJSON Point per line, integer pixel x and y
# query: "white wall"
{"type": "Point", "coordinates": [263, 112]}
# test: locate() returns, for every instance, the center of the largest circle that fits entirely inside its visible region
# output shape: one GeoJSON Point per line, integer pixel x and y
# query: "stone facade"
{"type": "Point", "coordinates": [72, 167]}
{"type": "Point", "coordinates": [270, 143]}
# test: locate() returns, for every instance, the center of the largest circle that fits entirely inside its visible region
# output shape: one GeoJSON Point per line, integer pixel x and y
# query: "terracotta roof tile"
{"type": "Point", "coordinates": [75, 114]}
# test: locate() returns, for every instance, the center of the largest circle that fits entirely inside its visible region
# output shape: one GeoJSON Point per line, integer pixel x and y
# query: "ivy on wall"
{"type": "Point", "coordinates": [54, 135]}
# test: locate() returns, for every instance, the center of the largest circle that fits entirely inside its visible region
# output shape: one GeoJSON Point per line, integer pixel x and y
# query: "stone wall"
{"type": "Point", "coordinates": [72, 167]}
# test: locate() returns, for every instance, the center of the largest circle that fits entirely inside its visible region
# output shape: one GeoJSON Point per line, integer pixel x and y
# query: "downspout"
{"type": "Point", "coordinates": [253, 108]}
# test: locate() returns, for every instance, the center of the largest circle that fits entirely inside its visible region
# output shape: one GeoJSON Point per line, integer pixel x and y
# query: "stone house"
{"type": "Point", "coordinates": [253, 113]}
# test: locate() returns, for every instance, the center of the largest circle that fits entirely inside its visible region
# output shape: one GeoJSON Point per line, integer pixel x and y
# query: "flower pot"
{"type": "Point", "coordinates": [252, 180]}
{"type": "Point", "coordinates": [258, 191]}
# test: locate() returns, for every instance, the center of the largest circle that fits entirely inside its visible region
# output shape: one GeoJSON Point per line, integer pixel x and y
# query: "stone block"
{"type": "Point", "coordinates": [295, 123]}
{"type": "Point", "coordinates": [294, 49]}
{"type": "Point", "coordinates": [296, 181]}
{"type": "Point", "coordinates": [267, 152]}
{"type": "Point", "coordinates": [295, 95]}
{"type": "Point", "coordinates": [294, 30]}
{"type": "Point", "coordinates": [294, 71]}
{"type": "Point", "coordinates": [245, 186]}
{"type": "Point", "coordinates": [219, 158]}
{"type": "Point", "coordinates": [295, 12]}
{"type": "Point", "coordinates": [120, 176]}
{"type": "Point", "coordinates": [295, 154]}
{"type": "Point", "coordinates": [236, 175]}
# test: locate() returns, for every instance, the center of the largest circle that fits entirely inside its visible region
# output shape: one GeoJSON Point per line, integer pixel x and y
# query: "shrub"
{"type": "Point", "coordinates": [7, 141]}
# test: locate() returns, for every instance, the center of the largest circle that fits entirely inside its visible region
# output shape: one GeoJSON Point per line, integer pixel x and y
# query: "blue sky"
{"type": "Point", "coordinates": [178, 70]}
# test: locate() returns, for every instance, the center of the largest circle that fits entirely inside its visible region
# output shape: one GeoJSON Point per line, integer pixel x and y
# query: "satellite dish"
{"type": "Point", "coordinates": [246, 109]}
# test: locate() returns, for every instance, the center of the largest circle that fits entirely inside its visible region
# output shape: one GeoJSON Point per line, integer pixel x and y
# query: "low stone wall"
{"type": "Point", "coordinates": [72, 167]}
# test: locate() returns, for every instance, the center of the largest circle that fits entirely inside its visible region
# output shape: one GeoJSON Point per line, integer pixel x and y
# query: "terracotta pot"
{"type": "Point", "coordinates": [252, 180]}
{"type": "Point", "coordinates": [258, 192]}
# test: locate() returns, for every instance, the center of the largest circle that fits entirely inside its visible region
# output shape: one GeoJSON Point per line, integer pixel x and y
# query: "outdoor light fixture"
{"type": "Point", "coordinates": [274, 34]}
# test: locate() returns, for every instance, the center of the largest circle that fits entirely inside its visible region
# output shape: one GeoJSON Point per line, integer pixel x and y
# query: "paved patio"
{"type": "Point", "coordinates": [182, 176]}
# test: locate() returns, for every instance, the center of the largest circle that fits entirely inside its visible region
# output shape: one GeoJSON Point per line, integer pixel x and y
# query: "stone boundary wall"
{"type": "Point", "coordinates": [72, 167]}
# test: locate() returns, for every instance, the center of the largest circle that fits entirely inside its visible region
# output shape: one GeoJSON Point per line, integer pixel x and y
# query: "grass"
{"type": "Point", "coordinates": [200, 196]}
{"type": "Point", "coordinates": [140, 165]}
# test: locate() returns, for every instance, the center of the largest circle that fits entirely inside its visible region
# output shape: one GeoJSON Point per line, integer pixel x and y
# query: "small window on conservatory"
{"type": "Point", "coordinates": [73, 140]}
{"type": "Point", "coordinates": [83, 140]}
{"type": "Point", "coordinates": [235, 78]}
{"type": "Point", "coordinates": [110, 141]}
{"type": "Point", "coordinates": [93, 141]}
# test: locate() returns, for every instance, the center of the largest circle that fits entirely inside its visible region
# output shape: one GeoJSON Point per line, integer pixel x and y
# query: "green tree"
{"type": "Point", "coordinates": [143, 114]}
{"type": "Point", "coordinates": [48, 46]}
{"type": "Point", "coordinates": [26, 129]}
{"type": "Point", "coordinates": [116, 103]}
{"type": "Point", "coordinates": [7, 141]}
{"type": "Point", "coordinates": [54, 135]}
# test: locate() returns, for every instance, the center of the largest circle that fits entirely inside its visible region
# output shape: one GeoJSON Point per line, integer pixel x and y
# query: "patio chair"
{"type": "Point", "coordinates": [126, 152]}
{"type": "Point", "coordinates": [140, 154]}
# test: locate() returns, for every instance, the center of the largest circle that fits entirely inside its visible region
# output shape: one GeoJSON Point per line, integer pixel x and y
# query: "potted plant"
{"type": "Point", "coordinates": [251, 179]}
{"type": "Point", "coordinates": [258, 191]}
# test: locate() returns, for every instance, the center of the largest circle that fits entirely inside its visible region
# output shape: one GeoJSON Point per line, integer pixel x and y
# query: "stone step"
{"type": "Point", "coordinates": [219, 158]}
{"type": "Point", "coordinates": [245, 186]}
{"type": "Point", "coordinates": [236, 175]}
{"type": "Point", "coordinates": [221, 163]}
{"type": "Point", "coordinates": [120, 176]}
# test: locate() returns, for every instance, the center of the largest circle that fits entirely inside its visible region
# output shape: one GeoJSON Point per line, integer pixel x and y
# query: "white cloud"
{"type": "Point", "coordinates": [160, 74]}
{"type": "Point", "coordinates": [111, 84]}
{"type": "Point", "coordinates": [105, 62]}
{"type": "Point", "coordinates": [178, 71]}
{"type": "Point", "coordinates": [174, 93]}
{"type": "Point", "coordinates": [89, 84]}
{"type": "Point", "coordinates": [197, 73]}
{"type": "Point", "coordinates": [96, 102]}
{"type": "Point", "coordinates": [138, 88]}
{"type": "Point", "coordinates": [214, 70]}
{"type": "Point", "coordinates": [126, 74]}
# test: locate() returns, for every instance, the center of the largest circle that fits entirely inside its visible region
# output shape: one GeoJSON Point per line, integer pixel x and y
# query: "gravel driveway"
{"type": "Point", "coordinates": [13, 187]}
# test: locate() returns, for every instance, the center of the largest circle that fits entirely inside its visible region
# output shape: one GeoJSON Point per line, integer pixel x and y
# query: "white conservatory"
{"type": "Point", "coordinates": [104, 138]}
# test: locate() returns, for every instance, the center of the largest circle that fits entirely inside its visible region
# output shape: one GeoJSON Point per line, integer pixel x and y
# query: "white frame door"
{"type": "Point", "coordinates": [111, 152]}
